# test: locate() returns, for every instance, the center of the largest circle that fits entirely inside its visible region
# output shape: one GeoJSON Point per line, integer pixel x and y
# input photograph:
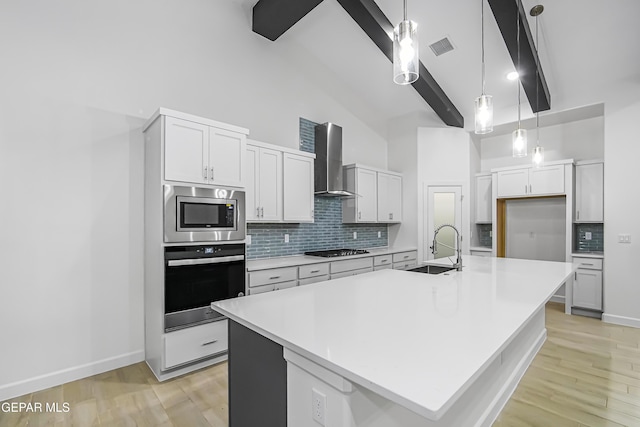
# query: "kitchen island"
{"type": "Point", "coordinates": [389, 348]}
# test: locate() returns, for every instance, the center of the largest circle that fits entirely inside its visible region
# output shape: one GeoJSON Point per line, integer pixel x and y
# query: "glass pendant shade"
{"type": "Point", "coordinates": [520, 143]}
{"type": "Point", "coordinates": [405, 53]}
{"type": "Point", "coordinates": [484, 114]}
{"type": "Point", "coordinates": [538, 156]}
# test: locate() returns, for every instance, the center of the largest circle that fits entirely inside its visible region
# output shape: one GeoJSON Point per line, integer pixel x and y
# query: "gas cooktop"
{"type": "Point", "coordinates": [337, 252]}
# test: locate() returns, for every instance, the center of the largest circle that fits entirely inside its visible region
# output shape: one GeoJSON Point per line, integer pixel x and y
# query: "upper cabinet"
{"type": "Point", "coordinates": [378, 195]}
{"type": "Point", "coordinates": [589, 192]}
{"type": "Point", "coordinates": [198, 152]}
{"type": "Point", "coordinates": [530, 182]}
{"type": "Point", "coordinates": [279, 184]}
{"type": "Point", "coordinates": [263, 184]}
{"type": "Point", "coordinates": [298, 188]}
{"type": "Point", "coordinates": [483, 198]}
{"type": "Point", "coordinates": [389, 197]}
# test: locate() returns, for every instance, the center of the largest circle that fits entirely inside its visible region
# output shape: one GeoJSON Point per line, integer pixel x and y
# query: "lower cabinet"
{"type": "Point", "coordinates": [405, 265]}
{"type": "Point", "coordinates": [351, 273]}
{"type": "Point", "coordinates": [587, 284]}
{"type": "Point", "coordinates": [191, 344]}
{"type": "Point", "coordinates": [272, 280]}
{"type": "Point", "coordinates": [311, 280]}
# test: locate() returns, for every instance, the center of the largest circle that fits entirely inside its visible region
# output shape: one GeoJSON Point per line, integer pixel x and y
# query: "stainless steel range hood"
{"type": "Point", "coordinates": [328, 163]}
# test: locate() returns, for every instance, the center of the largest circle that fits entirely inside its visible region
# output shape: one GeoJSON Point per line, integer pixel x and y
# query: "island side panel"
{"type": "Point", "coordinates": [257, 380]}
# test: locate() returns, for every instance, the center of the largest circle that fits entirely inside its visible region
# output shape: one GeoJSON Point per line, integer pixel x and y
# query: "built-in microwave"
{"type": "Point", "coordinates": [197, 214]}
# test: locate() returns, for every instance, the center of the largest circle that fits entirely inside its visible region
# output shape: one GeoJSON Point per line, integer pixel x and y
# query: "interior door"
{"type": "Point", "coordinates": [443, 205]}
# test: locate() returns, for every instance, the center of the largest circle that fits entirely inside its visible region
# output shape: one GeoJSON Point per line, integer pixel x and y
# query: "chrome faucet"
{"type": "Point", "coordinates": [434, 248]}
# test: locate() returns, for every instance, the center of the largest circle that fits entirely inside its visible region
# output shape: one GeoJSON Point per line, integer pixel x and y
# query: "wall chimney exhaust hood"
{"type": "Point", "coordinates": [328, 163]}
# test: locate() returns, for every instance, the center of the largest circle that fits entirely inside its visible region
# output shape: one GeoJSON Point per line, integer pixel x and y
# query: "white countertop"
{"type": "Point", "coordinates": [416, 339]}
{"type": "Point", "coordinates": [290, 261]}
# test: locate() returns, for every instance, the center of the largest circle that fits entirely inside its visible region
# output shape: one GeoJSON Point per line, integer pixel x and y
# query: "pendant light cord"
{"type": "Point", "coordinates": [537, 97]}
{"type": "Point", "coordinates": [482, 27]}
{"type": "Point", "coordinates": [518, 42]}
{"type": "Point", "coordinates": [405, 10]}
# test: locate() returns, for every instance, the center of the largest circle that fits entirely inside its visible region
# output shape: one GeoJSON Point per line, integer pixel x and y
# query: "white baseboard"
{"type": "Point", "coordinates": [31, 385]}
{"type": "Point", "coordinates": [621, 320]}
{"type": "Point", "coordinates": [558, 298]}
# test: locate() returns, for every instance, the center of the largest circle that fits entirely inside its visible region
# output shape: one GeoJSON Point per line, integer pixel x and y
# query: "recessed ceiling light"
{"type": "Point", "coordinates": [512, 75]}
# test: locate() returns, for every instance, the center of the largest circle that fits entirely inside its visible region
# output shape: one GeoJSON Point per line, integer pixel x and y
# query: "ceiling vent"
{"type": "Point", "coordinates": [441, 46]}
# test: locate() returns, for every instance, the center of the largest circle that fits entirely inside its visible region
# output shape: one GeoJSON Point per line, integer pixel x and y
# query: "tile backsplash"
{"type": "Point", "coordinates": [326, 232]}
{"type": "Point", "coordinates": [581, 244]}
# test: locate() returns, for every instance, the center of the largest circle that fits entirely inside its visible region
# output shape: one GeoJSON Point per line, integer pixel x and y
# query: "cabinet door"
{"type": "Point", "coordinates": [589, 192]}
{"type": "Point", "coordinates": [389, 198]}
{"type": "Point", "coordinates": [226, 157]}
{"type": "Point", "coordinates": [547, 180]}
{"type": "Point", "coordinates": [270, 192]}
{"type": "Point", "coordinates": [587, 289]}
{"type": "Point", "coordinates": [185, 151]}
{"type": "Point", "coordinates": [367, 199]}
{"type": "Point", "coordinates": [298, 188]}
{"type": "Point", "coordinates": [483, 199]}
{"type": "Point", "coordinates": [252, 184]}
{"type": "Point", "coordinates": [513, 183]}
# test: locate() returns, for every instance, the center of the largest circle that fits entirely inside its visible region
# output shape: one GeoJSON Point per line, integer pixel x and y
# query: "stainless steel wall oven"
{"type": "Point", "coordinates": [195, 276]}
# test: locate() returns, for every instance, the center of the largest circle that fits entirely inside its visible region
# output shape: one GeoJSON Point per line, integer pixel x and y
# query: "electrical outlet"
{"type": "Point", "coordinates": [624, 238]}
{"type": "Point", "coordinates": [379, 234]}
{"type": "Point", "coordinates": [248, 239]}
{"type": "Point", "coordinates": [355, 234]}
{"type": "Point", "coordinates": [490, 233]}
{"type": "Point", "coordinates": [286, 238]}
{"type": "Point", "coordinates": [318, 406]}
{"type": "Point", "coordinates": [587, 235]}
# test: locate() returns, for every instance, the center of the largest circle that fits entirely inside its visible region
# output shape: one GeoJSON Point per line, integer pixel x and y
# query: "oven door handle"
{"type": "Point", "coordinates": [197, 261]}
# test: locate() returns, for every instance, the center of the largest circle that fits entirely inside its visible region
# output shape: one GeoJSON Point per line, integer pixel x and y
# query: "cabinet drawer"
{"type": "Point", "coordinates": [351, 273]}
{"type": "Point", "coordinates": [285, 285]}
{"type": "Point", "coordinates": [405, 256]}
{"type": "Point", "coordinates": [382, 260]}
{"type": "Point", "coordinates": [261, 289]}
{"type": "Point", "coordinates": [194, 343]}
{"type": "Point", "coordinates": [405, 265]}
{"type": "Point", "coordinates": [589, 263]}
{"type": "Point", "coordinates": [274, 275]}
{"type": "Point", "coordinates": [314, 279]}
{"type": "Point", "coordinates": [350, 264]}
{"type": "Point", "coordinates": [313, 270]}
{"type": "Point", "coordinates": [383, 267]}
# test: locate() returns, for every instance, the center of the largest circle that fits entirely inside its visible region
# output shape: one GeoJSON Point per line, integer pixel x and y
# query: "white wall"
{"type": "Point", "coordinates": [444, 156]}
{"type": "Point", "coordinates": [621, 207]}
{"type": "Point", "coordinates": [578, 140]}
{"type": "Point", "coordinates": [78, 80]}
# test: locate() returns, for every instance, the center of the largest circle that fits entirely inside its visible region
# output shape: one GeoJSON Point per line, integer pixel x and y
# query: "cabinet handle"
{"type": "Point", "coordinates": [586, 263]}
{"type": "Point", "coordinates": [314, 271]}
{"type": "Point", "coordinates": [383, 261]}
{"type": "Point", "coordinates": [577, 214]}
{"type": "Point", "coordinates": [274, 277]}
{"type": "Point", "coordinates": [359, 215]}
{"type": "Point", "coordinates": [575, 276]}
{"type": "Point", "coordinates": [209, 342]}
{"type": "Point", "coordinates": [211, 173]}
{"type": "Point", "coordinates": [390, 216]}
{"type": "Point", "coordinates": [530, 190]}
{"type": "Point", "coordinates": [258, 212]}
{"type": "Point", "coordinates": [525, 189]}
{"type": "Point", "coordinates": [262, 212]}
{"type": "Point", "coordinates": [205, 172]}
{"type": "Point", "coordinates": [405, 257]}
{"type": "Point", "coordinates": [312, 213]}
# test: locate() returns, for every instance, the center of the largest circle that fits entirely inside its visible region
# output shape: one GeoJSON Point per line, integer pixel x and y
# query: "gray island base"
{"type": "Point", "coordinates": [389, 348]}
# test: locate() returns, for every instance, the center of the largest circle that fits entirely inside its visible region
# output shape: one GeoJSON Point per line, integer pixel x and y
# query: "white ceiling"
{"type": "Point", "coordinates": [584, 53]}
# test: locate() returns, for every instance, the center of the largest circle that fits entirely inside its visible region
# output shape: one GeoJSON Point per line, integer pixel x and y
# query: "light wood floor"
{"type": "Point", "coordinates": [587, 374]}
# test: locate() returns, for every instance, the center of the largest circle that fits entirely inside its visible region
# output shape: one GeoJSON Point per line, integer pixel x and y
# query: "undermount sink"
{"type": "Point", "coordinates": [432, 269]}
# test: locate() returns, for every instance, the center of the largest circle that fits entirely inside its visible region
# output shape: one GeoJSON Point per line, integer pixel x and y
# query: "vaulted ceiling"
{"type": "Point", "coordinates": [584, 50]}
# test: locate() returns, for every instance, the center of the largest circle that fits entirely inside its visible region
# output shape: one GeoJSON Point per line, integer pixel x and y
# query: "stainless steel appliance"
{"type": "Point", "coordinates": [195, 276]}
{"type": "Point", "coordinates": [328, 163]}
{"type": "Point", "coordinates": [330, 253]}
{"type": "Point", "coordinates": [196, 214]}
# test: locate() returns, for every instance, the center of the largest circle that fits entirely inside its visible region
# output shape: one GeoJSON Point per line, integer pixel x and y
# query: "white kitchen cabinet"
{"type": "Point", "coordinates": [263, 184]}
{"type": "Point", "coordinates": [298, 188]}
{"type": "Point", "coordinates": [530, 181]}
{"type": "Point", "coordinates": [364, 206]}
{"type": "Point", "coordinates": [389, 197]}
{"type": "Point", "coordinates": [199, 153]}
{"type": "Point", "coordinates": [589, 192]}
{"type": "Point", "coordinates": [587, 284]}
{"type": "Point", "coordinates": [197, 342]}
{"type": "Point", "coordinates": [483, 199]}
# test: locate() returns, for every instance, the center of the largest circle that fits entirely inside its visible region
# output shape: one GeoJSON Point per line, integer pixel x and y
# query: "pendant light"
{"type": "Point", "coordinates": [519, 135]}
{"type": "Point", "coordinates": [405, 51]}
{"type": "Point", "coordinates": [538, 151]}
{"type": "Point", "coordinates": [484, 103]}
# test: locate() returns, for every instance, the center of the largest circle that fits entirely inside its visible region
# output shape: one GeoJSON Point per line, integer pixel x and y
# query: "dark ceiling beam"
{"type": "Point", "coordinates": [272, 18]}
{"type": "Point", "coordinates": [506, 12]}
{"type": "Point", "coordinates": [375, 24]}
